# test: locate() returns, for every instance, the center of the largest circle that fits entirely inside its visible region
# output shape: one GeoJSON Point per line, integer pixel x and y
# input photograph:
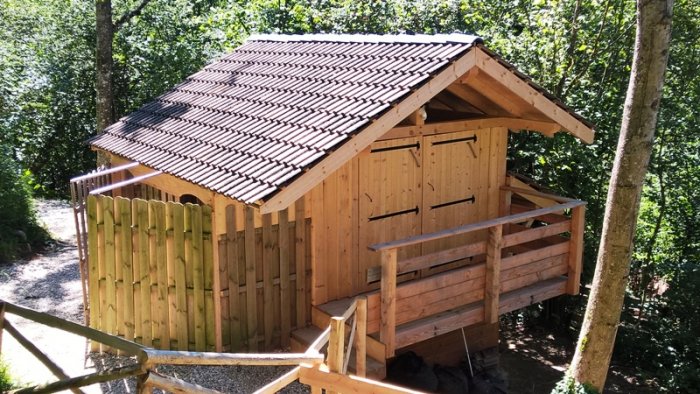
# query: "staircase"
{"type": "Point", "coordinates": [320, 317]}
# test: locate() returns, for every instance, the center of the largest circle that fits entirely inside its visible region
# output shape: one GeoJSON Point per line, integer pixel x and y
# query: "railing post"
{"type": "Point", "coordinates": [387, 331]}
{"type": "Point", "coordinates": [492, 280]}
{"type": "Point", "coordinates": [336, 345]}
{"type": "Point", "coordinates": [578, 215]}
{"type": "Point", "coordinates": [361, 337]}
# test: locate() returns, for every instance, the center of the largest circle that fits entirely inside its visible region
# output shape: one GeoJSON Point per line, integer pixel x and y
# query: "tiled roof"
{"type": "Point", "coordinates": [251, 122]}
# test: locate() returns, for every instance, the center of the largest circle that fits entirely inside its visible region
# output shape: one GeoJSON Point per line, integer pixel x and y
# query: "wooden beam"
{"type": "Point", "coordinates": [387, 333]}
{"type": "Point", "coordinates": [168, 183]}
{"type": "Point", "coordinates": [122, 167]}
{"type": "Point", "coordinates": [172, 357]}
{"type": "Point", "coordinates": [336, 344]}
{"type": "Point", "coordinates": [493, 274]}
{"type": "Point", "coordinates": [474, 226]}
{"type": "Point", "coordinates": [280, 383]}
{"type": "Point", "coordinates": [55, 369]}
{"type": "Point", "coordinates": [359, 142]}
{"type": "Point", "coordinates": [74, 328]}
{"type": "Point", "coordinates": [506, 77]}
{"type": "Point", "coordinates": [361, 338]}
{"type": "Point", "coordinates": [81, 381]}
{"type": "Point", "coordinates": [576, 249]}
{"type": "Point", "coordinates": [318, 378]}
{"type": "Point", "coordinates": [127, 182]}
{"type": "Point", "coordinates": [175, 385]}
{"type": "Point", "coordinates": [477, 100]}
{"type": "Point", "coordinates": [546, 128]}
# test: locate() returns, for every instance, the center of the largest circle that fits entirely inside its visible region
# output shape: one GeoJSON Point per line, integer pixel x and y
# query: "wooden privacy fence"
{"type": "Point", "coordinates": [152, 266]}
{"type": "Point", "coordinates": [150, 272]}
{"type": "Point", "coordinates": [263, 278]}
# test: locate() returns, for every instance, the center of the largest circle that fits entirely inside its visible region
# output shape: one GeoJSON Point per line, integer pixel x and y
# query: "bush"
{"type": "Point", "coordinates": [19, 231]}
{"type": "Point", "coordinates": [6, 383]}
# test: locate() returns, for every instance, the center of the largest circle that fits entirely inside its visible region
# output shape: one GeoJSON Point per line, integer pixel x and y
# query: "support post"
{"type": "Point", "coordinates": [493, 274]}
{"type": "Point", "coordinates": [361, 337]}
{"type": "Point", "coordinates": [387, 333]}
{"type": "Point", "coordinates": [336, 346]}
{"type": "Point", "coordinates": [578, 215]}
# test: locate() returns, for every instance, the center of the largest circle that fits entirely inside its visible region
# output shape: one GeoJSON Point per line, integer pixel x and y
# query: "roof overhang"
{"type": "Point", "coordinates": [529, 99]}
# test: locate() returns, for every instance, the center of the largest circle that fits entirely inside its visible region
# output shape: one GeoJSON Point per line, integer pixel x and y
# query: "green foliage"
{"type": "Point", "coordinates": [6, 381]}
{"type": "Point", "coordinates": [568, 385]}
{"type": "Point", "coordinates": [19, 232]}
{"type": "Point", "coordinates": [579, 50]}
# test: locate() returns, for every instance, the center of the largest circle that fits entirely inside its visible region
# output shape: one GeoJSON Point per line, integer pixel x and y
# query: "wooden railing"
{"type": "Point", "coordinates": [309, 366]}
{"type": "Point", "coordinates": [500, 236]}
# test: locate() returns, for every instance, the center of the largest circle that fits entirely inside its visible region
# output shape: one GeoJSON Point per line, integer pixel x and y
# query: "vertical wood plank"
{"type": "Point", "coordinates": [140, 208]}
{"type": "Point", "coordinates": [331, 235]}
{"type": "Point", "coordinates": [250, 281]}
{"type": "Point", "coordinates": [493, 273]}
{"type": "Point", "coordinates": [216, 215]}
{"type": "Point", "coordinates": [300, 261]}
{"type": "Point", "coordinates": [268, 278]}
{"type": "Point", "coordinates": [93, 270]}
{"type": "Point", "coordinates": [200, 335]}
{"type": "Point", "coordinates": [345, 272]}
{"type": "Point", "coordinates": [110, 272]}
{"type": "Point", "coordinates": [573, 283]}
{"type": "Point", "coordinates": [119, 268]}
{"type": "Point", "coordinates": [124, 209]}
{"type": "Point", "coordinates": [213, 341]}
{"type": "Point", "coordinates": [171, 298]}
{"type": "Point", "coordinates": [387, 333]}
{"type": "Point", "coordinates": [189, 275]}
{"type": "Point", "coordinates": [234, 302]}
{"type": "Point", "coordinates": [319, 253]}
{"type": "Point", "coordinates": [285, 299]}
{"type": "Point", "coordinates": [161, 273]}
{"type": "Point", "coordinates": [361, 337]}
{"type": "Point", "coordinates": [178, 217]}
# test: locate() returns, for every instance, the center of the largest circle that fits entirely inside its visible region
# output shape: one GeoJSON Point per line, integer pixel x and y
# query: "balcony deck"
{"type": "Point", "coordinates": [528, 256]}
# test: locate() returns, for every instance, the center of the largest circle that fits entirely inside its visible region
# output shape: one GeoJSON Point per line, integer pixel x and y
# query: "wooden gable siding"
{"type": "Point", "coordinates": [340, 206]}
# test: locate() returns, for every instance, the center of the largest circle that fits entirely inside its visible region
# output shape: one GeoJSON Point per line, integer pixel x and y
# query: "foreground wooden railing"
{"type": "Point", "coordinates": [496, 241]}
{"type": "Point", "coordinates": [309, 368]}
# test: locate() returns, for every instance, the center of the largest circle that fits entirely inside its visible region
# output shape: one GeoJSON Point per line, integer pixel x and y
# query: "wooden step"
{"type": "Point", "coordinates": [303, 337]}
{"type": "Point", "coordinates": [321, 317]}
{"type": "Point", "coordinates": [444, 322]}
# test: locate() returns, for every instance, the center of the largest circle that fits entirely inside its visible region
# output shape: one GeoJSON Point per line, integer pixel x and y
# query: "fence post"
{"type": "Point", "coordinates": [387, 334]}
{"type": "Point", "coordinates": [576, 249]}
{"type": "Point", "coordinates": [493, 274]}
{"type": "Point", "coordinates": [361, 337]}
{"type": "Point", "coordinates": [2, 322]}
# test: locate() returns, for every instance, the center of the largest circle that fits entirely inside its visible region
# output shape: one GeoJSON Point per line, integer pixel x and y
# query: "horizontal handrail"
{"type": "Point", "coordinates": [519, 217]}
{"type": "Point", "coordinates": [536, 193]}
{"type": "Point", "coordinates": [129, 347]}
{"type": "Point", "coordinates": [175, 357]}
{"type": "Point", "coordinates": [104, 172]}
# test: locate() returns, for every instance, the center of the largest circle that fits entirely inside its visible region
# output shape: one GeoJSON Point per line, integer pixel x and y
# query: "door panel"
{"type": "Point", "coordinates": [390, 198]}
{"type": "Point", "coordinates": [455, 177]}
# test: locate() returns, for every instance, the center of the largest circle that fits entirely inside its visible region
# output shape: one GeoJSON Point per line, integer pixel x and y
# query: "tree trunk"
{"type": "Point", "coordinates": [105, 95]}
{"type": "Point", "coordinates": [597, 337]}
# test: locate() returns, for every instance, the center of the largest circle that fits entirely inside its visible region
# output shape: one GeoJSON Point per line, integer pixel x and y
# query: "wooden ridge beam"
{"type": "Point", "coordinates": [547, 128]}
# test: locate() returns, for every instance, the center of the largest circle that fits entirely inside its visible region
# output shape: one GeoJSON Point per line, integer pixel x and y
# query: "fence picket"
{"type": "Point", "coordinates": [198, 280]}
{"type": "Point", "coordinates": [208, 270]}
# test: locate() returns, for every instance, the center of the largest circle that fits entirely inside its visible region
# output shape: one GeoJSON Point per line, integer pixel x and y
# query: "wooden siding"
{"type": "Point", "coordinates": [381, 181]}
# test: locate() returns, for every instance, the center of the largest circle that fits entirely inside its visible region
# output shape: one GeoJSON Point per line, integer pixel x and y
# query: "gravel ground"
{"type": "Point", "coordinates": [50, 282]}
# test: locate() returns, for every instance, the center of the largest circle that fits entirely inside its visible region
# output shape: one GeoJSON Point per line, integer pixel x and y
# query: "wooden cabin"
{"type": "Point", "coordinates": [385, 158]}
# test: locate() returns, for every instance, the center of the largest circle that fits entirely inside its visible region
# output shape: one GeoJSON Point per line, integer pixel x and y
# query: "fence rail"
{"type": "Point", "coordinates": [310, 368]}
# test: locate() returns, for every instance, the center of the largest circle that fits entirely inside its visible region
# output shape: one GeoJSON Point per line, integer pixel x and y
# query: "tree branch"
{"type": "Point", "coordinates": [127, 17]}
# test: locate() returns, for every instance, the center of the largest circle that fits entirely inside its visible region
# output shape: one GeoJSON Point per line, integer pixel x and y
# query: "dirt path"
{"type": "Point", "coordinates": [50, 282]}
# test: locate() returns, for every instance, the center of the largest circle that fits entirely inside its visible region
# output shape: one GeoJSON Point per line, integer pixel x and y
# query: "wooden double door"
{"type": "Point", "coordinates": [413, 186]}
